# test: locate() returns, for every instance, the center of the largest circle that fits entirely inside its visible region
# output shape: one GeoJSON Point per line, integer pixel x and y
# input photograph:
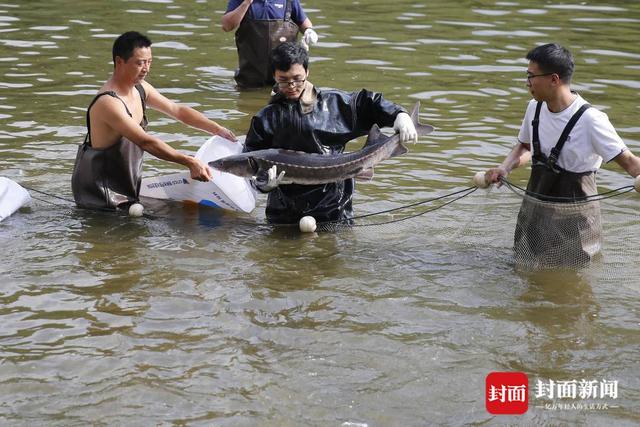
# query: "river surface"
{"type": "Point", "coordinates": [197, 317]}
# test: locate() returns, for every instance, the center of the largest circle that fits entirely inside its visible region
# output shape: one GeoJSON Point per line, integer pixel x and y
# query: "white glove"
{"type": "Point", "coordinates": [405, 127]}
{"type": "Point", "coordinates": [310, 37]}
{"type": "Point", "coordinates": [269, 179]}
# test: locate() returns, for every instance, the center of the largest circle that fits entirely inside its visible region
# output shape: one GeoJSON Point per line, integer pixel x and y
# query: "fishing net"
{"type": "Point", "coordinates": [552, 234]}
{"type": "Point", "coordinates": [568, 234]}
{"type": "Point", "coordinates": [527, 232]}
{"type": "Point", "coordinates": [500, 226]}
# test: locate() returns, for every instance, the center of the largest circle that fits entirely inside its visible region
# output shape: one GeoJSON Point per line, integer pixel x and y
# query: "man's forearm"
{"type": "Point", "coordinates": [196, 119]}
{"type": "Point", "coordinates": [629, 162]}
{"type": "Point", "coordinates": [305, 24]}
{"type": "Point", "coordinates": [519, 156]}
{"type": "Point", "coordinates": [231, 20]}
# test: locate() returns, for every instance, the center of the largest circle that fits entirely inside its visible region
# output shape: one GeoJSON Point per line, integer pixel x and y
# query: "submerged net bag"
{"type": "Point", "coordinates": [557, 234]}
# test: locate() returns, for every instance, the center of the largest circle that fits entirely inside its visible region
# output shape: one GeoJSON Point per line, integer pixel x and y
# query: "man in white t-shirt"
{"type": "Point", "coordinates": [565, 138]}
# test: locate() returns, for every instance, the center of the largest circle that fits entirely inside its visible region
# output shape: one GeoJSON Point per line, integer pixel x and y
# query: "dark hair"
{"type": "Point", "coordinates": [288, 54]}
{"type": "Point", "coordinates": [553, 58]}
{"type": "Point", "coordinates": [127, 42]}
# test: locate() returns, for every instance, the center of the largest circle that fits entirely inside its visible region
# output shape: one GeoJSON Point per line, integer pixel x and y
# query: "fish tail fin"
{"type": "Point", "coordinates": [415, 117]}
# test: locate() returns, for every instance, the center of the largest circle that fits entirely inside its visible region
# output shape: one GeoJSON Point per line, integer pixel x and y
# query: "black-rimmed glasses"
{"type": "Point", "coordinates": [291, 83]}
{"type": "Point", "coordinates": [532, 76]}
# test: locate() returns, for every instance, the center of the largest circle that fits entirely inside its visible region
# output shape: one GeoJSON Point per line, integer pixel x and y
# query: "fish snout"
{"type": "Point", "coordinates": [217, 164]}
{"type": "Point", "coordinates": [240, 165]}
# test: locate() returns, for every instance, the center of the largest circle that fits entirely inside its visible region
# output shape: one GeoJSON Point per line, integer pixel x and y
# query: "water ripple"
{"type": "Point", "coordinates": [197, 317]}
{"type": "Point", "coordinates": [172, 45]}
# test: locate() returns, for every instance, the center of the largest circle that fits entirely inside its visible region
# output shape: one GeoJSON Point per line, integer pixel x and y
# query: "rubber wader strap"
{"type": "Point", "coordinates": [143, 96]}
{"type": "Point", "coordinates": [555, 151]}
{"type": "Point", "coordinates": [287, 11]}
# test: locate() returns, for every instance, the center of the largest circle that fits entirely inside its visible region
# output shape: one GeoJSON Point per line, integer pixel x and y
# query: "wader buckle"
{"type": "Point", "coordinates": [553, 159]}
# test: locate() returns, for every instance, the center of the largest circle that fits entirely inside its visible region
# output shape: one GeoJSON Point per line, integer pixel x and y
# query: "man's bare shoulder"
{"type": "Point", "coordinates": [107, 108]}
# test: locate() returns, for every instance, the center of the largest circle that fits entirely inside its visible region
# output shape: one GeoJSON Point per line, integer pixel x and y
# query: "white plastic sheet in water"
{"type": "Point", "coordinates": [12, 197]}
{"type": "Point", "coordinates": [224, 190]}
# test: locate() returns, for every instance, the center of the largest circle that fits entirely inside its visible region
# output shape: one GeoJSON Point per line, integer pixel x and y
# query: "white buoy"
{"type": "Point", "coordinates": [636, 183]}
{"type": "Point", "coordinates": [479, 180]}
{"type": "Point", "coordinates": [136, 209]}
{"type": "Point", "coordinates": [307, 224]}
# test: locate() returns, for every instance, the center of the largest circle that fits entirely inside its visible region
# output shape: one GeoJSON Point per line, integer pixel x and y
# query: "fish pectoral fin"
{"type": "Point", "coordinates": [365, 175]}
{"type": "Point", "coordinates": [399, 150]}
{"type": "Point", "coordinates": [423, 129]}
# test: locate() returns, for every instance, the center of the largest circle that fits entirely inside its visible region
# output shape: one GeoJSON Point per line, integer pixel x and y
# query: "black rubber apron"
{"type": "Point", "coordinates": [108, 178]}
{"type": "Point", "coordinates": [255, 38]}
{"type": "Point", "coordinates": [542, 230]}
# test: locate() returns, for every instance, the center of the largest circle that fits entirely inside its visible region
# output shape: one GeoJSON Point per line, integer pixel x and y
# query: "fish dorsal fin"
{"type": "Point", "coordinates": [374, 135]}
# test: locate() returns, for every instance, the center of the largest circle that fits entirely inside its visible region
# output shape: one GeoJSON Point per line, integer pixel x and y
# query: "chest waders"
{"type": "Point", "coordinates": [255, 38]}
{"type": "Point", "coordinates": [108, 178]}
{"type": "Point", "coordinates": [557, 234]}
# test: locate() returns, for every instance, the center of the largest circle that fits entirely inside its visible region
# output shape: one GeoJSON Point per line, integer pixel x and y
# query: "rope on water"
{"type": "Point", "coordinates": [469, 191]}
{"type": "Point", "coordinates": [350, 222]}
{"type": "Point", "coordinates": [48, 194]}
{"type": "Point", "coordinates": [596, 197]}
{"type": "Point", "coordinates": [460, 195]}
{"type": "Point", "coordinates": [117, 212]}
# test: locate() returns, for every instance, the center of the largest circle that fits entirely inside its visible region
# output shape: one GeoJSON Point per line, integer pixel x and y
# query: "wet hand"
{"type": "Point", "coordinates": [227, 134]}
{"type": "Point", "coordinates": [200, 171]}
{"type": "Point", "coordinates": [494, 175]}
{"type": "Point", "coordinates": [405, 128]}
{"type": "Point", "coordinates": [309, 38]}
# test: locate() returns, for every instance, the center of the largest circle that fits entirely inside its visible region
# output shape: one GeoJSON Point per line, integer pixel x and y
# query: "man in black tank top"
{"type": "Point", "coordinates": [108, 167]}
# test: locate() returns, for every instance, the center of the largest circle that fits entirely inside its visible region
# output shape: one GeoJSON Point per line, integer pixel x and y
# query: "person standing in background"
{"type": "Point", "coordinates": [261, 26]}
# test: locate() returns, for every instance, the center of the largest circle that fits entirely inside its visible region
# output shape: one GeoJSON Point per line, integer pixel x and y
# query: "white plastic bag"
{"type": "Point", "coordinates": [224, 190]}
{"type": "Point", "coordinates": [12, 197]}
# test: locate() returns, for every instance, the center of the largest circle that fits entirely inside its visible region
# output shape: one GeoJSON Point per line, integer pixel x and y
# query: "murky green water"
{"type": "Point", "coordinates": [203, 318]}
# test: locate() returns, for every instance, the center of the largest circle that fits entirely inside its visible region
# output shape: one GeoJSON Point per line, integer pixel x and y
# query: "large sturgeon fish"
{"type": "Point", "coordinates": [312, 168]}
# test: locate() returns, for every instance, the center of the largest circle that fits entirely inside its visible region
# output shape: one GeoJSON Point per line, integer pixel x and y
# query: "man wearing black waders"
{"type": "Point", "coordinates": [108, 168]}
{"type": "Point", "coordinates": [570, 140]}
{"type": "Point", "coordinates": [261, 26]}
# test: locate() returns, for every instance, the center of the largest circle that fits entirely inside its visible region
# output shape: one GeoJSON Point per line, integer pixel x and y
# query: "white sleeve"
{"type": "Point", "coordinates": [524, 136]}
{"type": "Point", "coordinates": [604, 138]}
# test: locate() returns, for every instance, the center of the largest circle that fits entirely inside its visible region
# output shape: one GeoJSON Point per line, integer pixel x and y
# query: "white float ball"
{"type": "Point", "coordinates": [307, 224]}
{"type": "Point", "coordinates": [136, 209]}
{"type": "Point", "coordinates": [636, 183]}
{"type": "Point", "coordinates": [479, 180]}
